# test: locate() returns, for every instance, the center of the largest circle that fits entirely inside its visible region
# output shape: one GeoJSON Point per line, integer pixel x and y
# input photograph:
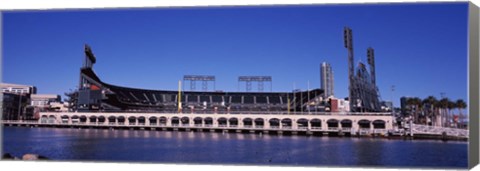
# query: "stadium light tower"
{"type": "Point", "coordinates": [204, 78]}
{"type": "Point", "coordinates": [259, 79]}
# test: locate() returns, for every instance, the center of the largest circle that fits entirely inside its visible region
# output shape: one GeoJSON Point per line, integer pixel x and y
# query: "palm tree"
{"type": "Point", "coordinates": [438, 113]}
{"type": "Point", "coordinates": [460, 105]}
{"type": "Point", "coordinates": [431, 102]}
{"type": "Point", "coordinates": [419, 108]}
{"type": "Point", "coordinates": [451, 105]}
{"type": "Point", "coordinates": [443, 103]}
{"type": "Point", "coordinates": [415, 105]}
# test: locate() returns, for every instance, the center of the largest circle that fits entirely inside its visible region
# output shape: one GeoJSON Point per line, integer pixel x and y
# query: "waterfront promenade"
{"type": "Point", "coordinates": [351, 124]}
{"type": "Point", "coordinates": [290, 123]}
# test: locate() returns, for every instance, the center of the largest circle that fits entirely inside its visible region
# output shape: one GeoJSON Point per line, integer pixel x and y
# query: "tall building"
{"type": "Point", "coordinates": [13, 106]}
{"type": "Point", "coordinates": [403, 105]}
{"type": "Point", "coordinates": [326, 79]}
{"type": "Point", "coordinates": [15, 100]}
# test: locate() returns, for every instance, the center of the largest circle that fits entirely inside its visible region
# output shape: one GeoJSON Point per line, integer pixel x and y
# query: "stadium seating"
{"type": "Point", "coordinates": [141, 100]}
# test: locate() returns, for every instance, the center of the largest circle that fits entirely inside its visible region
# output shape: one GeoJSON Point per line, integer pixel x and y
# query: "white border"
{"type": "Point", "coordinates": [7, 5]}
{"type": "Point", "coordinates": [87, 4]}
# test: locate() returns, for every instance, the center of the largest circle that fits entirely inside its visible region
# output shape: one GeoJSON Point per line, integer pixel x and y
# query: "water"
{"type": "Point", "coordinates": [230, 148]}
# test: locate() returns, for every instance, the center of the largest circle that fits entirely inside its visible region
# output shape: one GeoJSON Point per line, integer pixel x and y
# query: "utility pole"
{"type": "Point", "coordinates": [294, 100]}
{"type": "Point", "coordinates": [179, 96]}
{"type": "Point", "coordinates": [393, 89]}
{"type": "Point", "coordinates": [288, 102]}
{"type": "Point", "coordinates": [308, 96]}
{"type": "Point", "coordinates": [442, 114]}
{"type": "Point", "coordinates": [393, 108]}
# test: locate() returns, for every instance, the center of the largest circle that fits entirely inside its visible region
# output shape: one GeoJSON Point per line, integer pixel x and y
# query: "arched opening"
{"type": "Point", "coordinates": [52, 119]}
{"type": "Point", "coordinates": [65, 119]}
{"type": "Point", "coordinates": [175, 121]}
{"type": "Point", "coordinates": [233, 122]}
{"type": "Point", "coordinates": [101, 119]}
{"type": "Point", "coordinates": [83, 119]}
{"type": "Point", "coordinates": [222, 122]}
{"type": "Point", "coordinates": [93, 119]}
{"type": "Point", "coordinates": [141, 120]}
{"type": "Point", "coordinates": [316, 123]}
{"type": "Point", "coordinates": [163, 121]}
{"type": "Point", "coordinates": [346, 124]}
{"type": "Point", "coordinates": [121, 120]}
{"type": "Point", "coordinates": [208, 121]}
{"type": "Point", "coordinates": [364, 124]}
{"type": "Point", "coordinates": [185, 121]}
{"type": "Point", "coordinates": [75, 119]}
{"type": "Point", "coordinates": [247, 122]}
{"type": "Point", "coordinates": [259, 123]}
{"type": "Point", "coordinates": [153, 120]}
{"type": "Point", "coordinates": [132, 120]}
{"type": "Point", "coordinates": [287, 123]}
{"type": "Point", "coordinates": [112, 120]}
{"type": "Point", "coordinates": [198, 121]}
{"type": "Point", "coordinates": [302, 123]}
{"type": "Point", "coordinates": [274, 123]}
{"type": "Point", "coordinates": [44, 119]}
{"type": "Point", "coordinates": [332, 124]}
{"type": "Point", "coordinates": [378, 124]}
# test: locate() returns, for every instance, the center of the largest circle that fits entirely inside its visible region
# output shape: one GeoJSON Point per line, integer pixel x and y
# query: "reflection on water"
{"type": "Point", "coordinates": [229, 148]}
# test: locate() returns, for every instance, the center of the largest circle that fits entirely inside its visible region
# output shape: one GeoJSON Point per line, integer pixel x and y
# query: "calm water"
{"type": "Point", "coordinates": [229, 148]}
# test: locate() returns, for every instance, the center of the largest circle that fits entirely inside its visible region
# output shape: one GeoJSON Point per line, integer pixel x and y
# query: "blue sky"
{"type": "Point", "coordinates": [419, 48]}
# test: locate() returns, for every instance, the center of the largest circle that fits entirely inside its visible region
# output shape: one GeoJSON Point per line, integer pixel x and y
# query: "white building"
{"type": "Point", "coordinates": [44, 100]}
{"type": "Point", "coordinates": [343, 105]}
{"type": "Point", "coordinates": [18, 88]}
{"type": "Point", "coordinates": [59, 106]}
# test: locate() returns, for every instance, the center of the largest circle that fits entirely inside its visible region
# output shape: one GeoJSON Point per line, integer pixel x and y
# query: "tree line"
{"type": "Point", "coordinates": [430, 111]}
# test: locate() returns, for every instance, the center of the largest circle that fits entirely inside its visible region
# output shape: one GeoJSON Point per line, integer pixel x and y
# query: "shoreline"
{"type": "Point", "coordinates": [416, 137]}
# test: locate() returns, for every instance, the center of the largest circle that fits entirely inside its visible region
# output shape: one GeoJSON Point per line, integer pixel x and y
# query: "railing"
{"type": "Point", "coordinates": [286, 127]}
{"type": "Point", "coordinates": [332, 128]}
{"type": "Point", "coordinates": [346, 129]}
{"type": "Point", "coordinates": [434, 130]}
{"type": "Point", "coordinates": [302, 127]}
{"type": "Point", "coordinates": [364, 131]}
{"type": "Point", "coordinates": [379, 131]}
{"type": "Point", "coordinates": [18, 121]}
